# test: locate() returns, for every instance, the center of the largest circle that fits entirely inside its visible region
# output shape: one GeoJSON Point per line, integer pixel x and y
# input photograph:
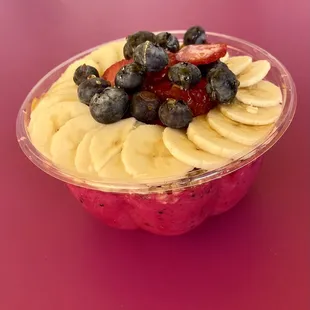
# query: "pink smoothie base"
{"type": "Point", "coordinates": [172, 212]}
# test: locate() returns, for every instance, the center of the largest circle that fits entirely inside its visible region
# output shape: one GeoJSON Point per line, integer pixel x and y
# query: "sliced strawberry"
{"type": "Point", "coordinates": [110, 73]}
{"type": "Point", "coordinates": [201, 54]}
{"type": "Point", "coordinates": [196, 97]}
{"type": "Point", "coordinates": [172, 59]}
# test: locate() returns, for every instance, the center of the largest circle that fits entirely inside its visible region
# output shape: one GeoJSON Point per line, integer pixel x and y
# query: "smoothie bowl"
{"type": "Point", "coordinates": [158, 131]}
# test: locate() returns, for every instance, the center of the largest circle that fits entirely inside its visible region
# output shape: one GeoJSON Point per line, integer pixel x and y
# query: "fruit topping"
{"type": "Point", "coordinates": [222, 85]}
{"type": "Point", "coordinates": [109, 106]}
{"type": "Point", "coordinates": [144, 106]}
{"type": "Point", "coordinates": [130, 77]}
{"type": "Point", "coordinates": [170, 109]}
{"type": "Point", "coordinates": [90, 87]}
{"type": "Point", "coordinates": [165, 84]}
{"type": "Point", "coordinates": [238, 64]}
{"type": "Point", "coordinates": [196, 97]}
{"type": "Point", "coordinates": [204, 69]}
{"type": "Point", "coordinates": [195, 35]}
{"type": "Point", "coordinates": [153, 57]}
{"type": "Point", "coordinates": [184, 74]}
{"type": "Point", "coordinates": [111, 72]}
{"type": "Point", "coordinates": [83, 73]}
{"type": "Point", "coordinates": [154, 77]}
{"type": "Point", "coordinates": [254, 73]}
{"type": "Point", "coordinates": [168, 41]}
{"type": "Point", "coordinates": [136, 39]}
{"type": "Point", "coordinates": [202, 54]}
{"type": "Point", "coordinates": [175, 113]}
{"type": "Point", "coordinates": [263, 94]}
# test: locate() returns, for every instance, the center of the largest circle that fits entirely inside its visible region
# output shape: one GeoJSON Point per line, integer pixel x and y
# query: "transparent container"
{"type": "Point", "coordinates": [168, 207]}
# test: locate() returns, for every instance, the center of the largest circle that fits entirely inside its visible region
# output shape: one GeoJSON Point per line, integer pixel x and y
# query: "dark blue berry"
{"type": "Point", "coordinates": [109, 106]}
{"type": "Point", "coordinates": [204, 69]}
{"type": "Point", "coordinates": [90, 87]}
{"type": "Point", "coordinates": [184, 74]}
{"type": "Point", "coordinates": [195, 35]}
{"type": "Point", "coordinates": [144, 106]}
{"type": "Point", "coordinates": [168, 41]}
{"type": "Point", "coordinates": [222, 85]}
{"type": "Point", "coordinates": [136, 39]}
{"type": "Point", "coordinates": [83, 73]}
{"type": "Point", "coordinates": [151, 56]}
{"type": "Point", "coordinates": [130, 77]}
{"type": "Point", "coordinates": [175, 113]}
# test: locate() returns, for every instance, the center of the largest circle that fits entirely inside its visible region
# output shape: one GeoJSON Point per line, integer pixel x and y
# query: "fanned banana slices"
{"type": "Point", "coordinates": [129, 151]}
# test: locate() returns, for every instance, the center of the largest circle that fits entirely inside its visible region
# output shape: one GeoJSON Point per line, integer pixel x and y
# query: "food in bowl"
{"type": "Point", "coordinates": [156, 132]}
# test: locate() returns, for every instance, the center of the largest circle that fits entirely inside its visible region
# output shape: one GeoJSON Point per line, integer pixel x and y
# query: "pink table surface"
{"type": "Point", "coordinates": [56, 256]}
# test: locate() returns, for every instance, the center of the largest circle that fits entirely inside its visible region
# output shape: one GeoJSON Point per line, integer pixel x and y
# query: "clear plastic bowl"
{"type": "Point", "coordinates": [173, 207]}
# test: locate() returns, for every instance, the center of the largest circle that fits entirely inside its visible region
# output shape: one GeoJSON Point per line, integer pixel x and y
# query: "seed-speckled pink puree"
{"type": "Point", "coordinates": [171, 212]}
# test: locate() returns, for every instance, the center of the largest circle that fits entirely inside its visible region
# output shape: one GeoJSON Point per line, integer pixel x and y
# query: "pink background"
{"type": "Point", "coordinates": [56, 256]}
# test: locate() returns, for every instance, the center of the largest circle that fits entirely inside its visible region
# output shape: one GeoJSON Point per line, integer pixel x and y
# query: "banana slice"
{"type": "Point", "coordinates": [83, 162]}
{"type": "Point", "coordinates": [45, 123]}
{"type": "Point", "coordinates": [119, 46]}
{"type": "Point", "coordinates": [108, 54]}
{"type": "Point", "coordinates": [67, 88]}
{"type": "Point", "coordinates": [49, 100]}
{"type": "Point", "coordinates": [108, 141]}
{"type": "Point", "coordinates": [243, 134]}
{"type": "Point", "coordinates": [207, 139]}
{"type": "Point", "coordinates": [184, 150]}
{"type": "Point", "coordinates": [238, 64]}
{"type": "Point", "coordinates": [62, 84]}
{"type": "Point", "coordinates": [250, 115]}
{"type": "Point", "coordinates": [44, 103]}
{"type": "Point", "coordinates": [114, 169]}
{"type": "Point", "coordinates": [254, 73]}
{"type": "Point", "coordinates": [225, 57]}
{"type": "Point", "coordinates": [146, 157]}
{"type": "Point", "coordinates": [263, 94]}
{"type": "Point", "coordinates": [66, 140]}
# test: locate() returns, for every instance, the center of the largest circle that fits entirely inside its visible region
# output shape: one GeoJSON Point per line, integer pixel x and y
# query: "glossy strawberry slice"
{"type": "Point", "coordinates": [196, 97]}
{"type": "Point", "coordinates": [202, 54]}
{"type": "Point", "coordinates": [110, 73]}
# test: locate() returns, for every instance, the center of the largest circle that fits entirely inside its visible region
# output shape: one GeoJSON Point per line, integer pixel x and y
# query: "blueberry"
{"type": "Point", "coordinates": [128, 51]}
{"type": "Point", "coordinates": [144, 106]}
{"type": "Point", "coordinates": [222, 84]}
{"type": "Point", "coordinates": [130, 77]}
{"type": "Point", "coordinates": [109, 106]}
{"type": "Point", "coordinates": [136, 39]}
{"type": "Point", "coordinates": [184, 74]}
{"type": "Point", "coordinates": [84, 72]}
{"type": "Point", "coordinates": [168, 41]}
{"type": "Point", "coordinates": [175, 113]}
{"type": "Point", "coordinates": [195, 35]}
{"type": "Point", "coordinates": [151, 56]}
{"type": "Point", "coordinates": [204, 69]}
{"type": "Point", "coordinates": [90, 87]}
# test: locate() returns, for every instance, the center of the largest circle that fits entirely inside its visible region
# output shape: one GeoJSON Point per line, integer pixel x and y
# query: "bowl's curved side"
{"type": "Point", "coordinates": [172, 213]}
{"type": "Point", "coordinates": [278, 74]}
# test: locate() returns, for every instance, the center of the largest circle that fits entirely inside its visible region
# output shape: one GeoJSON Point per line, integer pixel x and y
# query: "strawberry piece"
{"type": "Point", "coordinates": [196, 97]}
{"type": "Point", "coordinates": [110, 73]}
{"type": "Point", "coordinates": [172, 59]}
{"type": "Point", "coordinates": [201, 54]}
